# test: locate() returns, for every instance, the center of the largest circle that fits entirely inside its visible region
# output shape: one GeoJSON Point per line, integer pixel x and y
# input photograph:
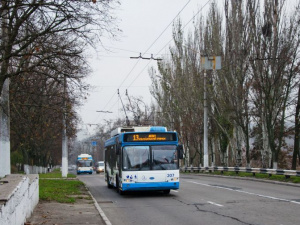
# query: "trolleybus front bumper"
{"type": "Point", "coordinates": [84, 171]}
{"type": "Point", "coordinates": [153, 186]}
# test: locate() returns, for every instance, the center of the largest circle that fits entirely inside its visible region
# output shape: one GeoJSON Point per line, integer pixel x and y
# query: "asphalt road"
{"type": "Point", "coordinates": [200, 200]}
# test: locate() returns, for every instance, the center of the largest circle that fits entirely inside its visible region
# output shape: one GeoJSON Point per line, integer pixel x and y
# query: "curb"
{"type": "Point", "coordinates": [101, 213]}
{"type": "Point", "coordinates": [247, 178]}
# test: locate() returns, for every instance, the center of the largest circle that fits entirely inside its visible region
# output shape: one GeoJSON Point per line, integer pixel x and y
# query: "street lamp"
{"type": "Point", "coordinates": [209, 63]}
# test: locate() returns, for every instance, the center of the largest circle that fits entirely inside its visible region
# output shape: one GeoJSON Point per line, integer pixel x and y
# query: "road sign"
{"type": "Point", "coordinates": [94, 143]}
{"type": "Point", "coordinates": [211, 62]}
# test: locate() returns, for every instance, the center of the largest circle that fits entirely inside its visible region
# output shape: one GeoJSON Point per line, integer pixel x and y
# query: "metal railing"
{"type": "Point", "coordinates": [270, 172]}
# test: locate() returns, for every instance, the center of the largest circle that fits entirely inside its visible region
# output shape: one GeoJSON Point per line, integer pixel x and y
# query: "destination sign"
{"type": "Point", "coordinates": [143, 137]}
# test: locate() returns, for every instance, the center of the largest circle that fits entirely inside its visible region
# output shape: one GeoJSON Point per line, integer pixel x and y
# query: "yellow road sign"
{"type": "Point", "coordinates": [211, 62]}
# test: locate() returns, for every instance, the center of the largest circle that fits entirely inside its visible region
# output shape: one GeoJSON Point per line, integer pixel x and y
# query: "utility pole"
{"type": "Point", "coordinates": [209, 63]}
{"type": "Point", "coordinates": [4, 100]}
{"type": "Point", "coordinates": [64, 161]}
{"type": "Point", "coordinates": [94, 149]}
{"type": "Point", "coordinates": [205, 141]}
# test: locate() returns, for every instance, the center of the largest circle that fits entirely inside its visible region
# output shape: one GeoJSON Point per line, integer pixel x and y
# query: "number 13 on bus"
{"type": "Point", "coordinates": [143, 158]}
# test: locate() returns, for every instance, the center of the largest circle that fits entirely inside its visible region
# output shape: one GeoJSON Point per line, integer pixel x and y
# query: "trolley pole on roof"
{"type": "Point", "coordinates": [127, 120]}
{"type": "Point", "coordinates": [209, 63]}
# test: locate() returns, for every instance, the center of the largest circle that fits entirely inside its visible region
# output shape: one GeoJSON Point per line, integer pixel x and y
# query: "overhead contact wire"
{"type": "Point", "coordinates": [143, 54]}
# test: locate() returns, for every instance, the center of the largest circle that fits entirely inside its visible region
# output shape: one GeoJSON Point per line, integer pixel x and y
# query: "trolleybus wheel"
{"type": "Point", "coordinates": [118, 186]}
{"type": "Point", "coordinates": [107, 180]}
{"type": "Point", "coordinates": [166, 192]}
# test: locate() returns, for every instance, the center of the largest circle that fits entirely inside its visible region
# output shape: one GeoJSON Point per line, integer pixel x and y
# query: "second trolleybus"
{"type": "Point", "coordinates": [142, 159]}
{"type": "Point", "coordinates": [84, 164]}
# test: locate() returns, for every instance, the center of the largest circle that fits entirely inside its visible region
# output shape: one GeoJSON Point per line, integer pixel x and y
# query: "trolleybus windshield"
{"type": "Point", "coordinates": [84, 163]}
{"type": "Point", "coordinates": [163, 157]}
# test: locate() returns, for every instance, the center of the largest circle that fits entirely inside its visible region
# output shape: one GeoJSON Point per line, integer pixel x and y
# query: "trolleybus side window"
{"type": "Point", "coordinates": [110, 157]}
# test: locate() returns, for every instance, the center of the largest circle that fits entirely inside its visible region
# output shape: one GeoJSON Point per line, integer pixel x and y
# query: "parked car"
{"type": "Point", "coordinates": [100, 167]}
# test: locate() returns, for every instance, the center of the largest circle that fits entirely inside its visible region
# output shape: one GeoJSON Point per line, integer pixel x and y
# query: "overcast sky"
{"type": "Point", "coordinates": [146, 29]}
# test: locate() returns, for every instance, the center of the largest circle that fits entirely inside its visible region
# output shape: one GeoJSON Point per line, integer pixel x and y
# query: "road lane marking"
{"type": "Point", "coordinates": [213, 203]}
{"type": "Point", "coordinates": [174, 190]}
{"type": "Point", "coordinates": [246, 192]}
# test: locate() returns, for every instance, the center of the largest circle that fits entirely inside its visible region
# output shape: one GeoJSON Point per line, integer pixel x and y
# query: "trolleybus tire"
{"type": "Point", "coordinates": [118, 186]}
{"type": "Point", "coordinates": [120, 191]}
{"type": "Point", "coordinates": [107, 180]}
{"type": "Point", "coordinates": [166, 192]}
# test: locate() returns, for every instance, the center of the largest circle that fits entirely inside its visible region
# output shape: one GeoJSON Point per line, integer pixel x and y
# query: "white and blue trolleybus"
{"type": "Point", "coordinates": [143, 159]}
{"type": "Point", "coordinates": [84, 164]}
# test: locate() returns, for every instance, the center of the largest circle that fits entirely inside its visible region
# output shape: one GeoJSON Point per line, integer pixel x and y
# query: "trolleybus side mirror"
{"type": "Point", "coordinates": [180, 151]}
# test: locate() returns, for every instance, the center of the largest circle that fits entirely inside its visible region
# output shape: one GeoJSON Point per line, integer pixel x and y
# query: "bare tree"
{"type": "Point", "coordinates": [28, 29]}
{"type": "Point", "coordinates": [257, 84]}
{"type": "Point", "coordinates": [37, 97]}
{"type": "Point", "coordinates": [175, 88]}
{"type": "Point", "coordinates": [274, 57]}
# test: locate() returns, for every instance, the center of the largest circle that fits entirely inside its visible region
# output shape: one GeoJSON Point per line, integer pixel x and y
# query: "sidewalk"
{"type": "Point", "coordinates": [84, 211]}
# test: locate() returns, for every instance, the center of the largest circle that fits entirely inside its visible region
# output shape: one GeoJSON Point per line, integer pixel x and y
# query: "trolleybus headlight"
{"type": "Point", "coordinates": [128, 180]}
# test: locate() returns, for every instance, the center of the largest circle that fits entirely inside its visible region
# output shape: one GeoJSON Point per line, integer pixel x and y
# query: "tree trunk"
{"type": "Point", "coordinates": [297, 129]}
{"type": "Point", "coordinates": [266, 146]}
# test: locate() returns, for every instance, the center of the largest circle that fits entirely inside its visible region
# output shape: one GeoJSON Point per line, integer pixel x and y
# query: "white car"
{"type": "Point", "coordinates": [100, 167]}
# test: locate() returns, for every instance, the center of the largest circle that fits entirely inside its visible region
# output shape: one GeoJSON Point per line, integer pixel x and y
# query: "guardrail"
{"type": "Point", "coordinates": [270, 172]}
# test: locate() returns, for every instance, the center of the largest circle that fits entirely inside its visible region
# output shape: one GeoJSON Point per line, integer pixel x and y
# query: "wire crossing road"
{"type": "Point", "coordinates": [201, 200]}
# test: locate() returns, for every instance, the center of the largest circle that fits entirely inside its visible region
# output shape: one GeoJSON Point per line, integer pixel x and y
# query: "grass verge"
{"type": "Point", "coordinates": [55, 174]}
{"type": "Point", "coordinates": [60, 190]}
{"type": "Point", "coordinates": [53, 187]}
{"type": "Point", "coordinates": [293, 179]}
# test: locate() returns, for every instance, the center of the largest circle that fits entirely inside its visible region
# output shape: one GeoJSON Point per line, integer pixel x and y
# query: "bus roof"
{"type": "Point", "coordinates": [120, 130]}
{"type": "Point", "coordinates": [153, 137]}
{"type": "Point", "coordinates": [84, 156]}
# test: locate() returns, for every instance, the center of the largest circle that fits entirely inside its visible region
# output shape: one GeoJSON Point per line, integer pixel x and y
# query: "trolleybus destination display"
{"type": "Point", "coordinates": [149, 137]}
